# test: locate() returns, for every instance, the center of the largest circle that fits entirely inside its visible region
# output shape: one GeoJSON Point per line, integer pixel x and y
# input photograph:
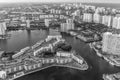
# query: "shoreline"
{"type": "Point", "coordinates": [111, 61]}
{"type": "Point", "coordinates": [81, 37]}
{"type": "Point", "coordinates": [67, 59]}
{"type": "Point", "coordinates": [54, 65]}
{"type": "Point", "coordinates": [66, 65]}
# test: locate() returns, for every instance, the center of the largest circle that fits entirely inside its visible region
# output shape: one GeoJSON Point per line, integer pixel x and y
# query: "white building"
{"type": "Point", "coordinates": [23, 19]}
{"type": "Point", "coordinates": [111, 43]}
{"type": "Point", "coordinates": [77, 13]}
{"type": "Point", "coordinates": [87, 17]}
{"type": "Point", "coordinates": [3, 74]}
{"type": "Point", "coordinates": [69, 21]}
{"type": "Point", "coordinates": [80, 61]}
{"type": "Point", "coordinates": [115, 22]}
{"type": "Point", "coordinates": [58, 11]}
{"type": "Point", "coordinates": [47, 22]}
{"type": "Point", "coordinates": [49, 37]}
{"type": "Point", "coordinates": [49, 47]}
{"type": "Point", "coordinates": [97, 18]}
{"type": "Point", "coordinates": [100, 10]}
{"type": "Point", "coordinates": [67, 26]}
{"type": "Point", "coordinates": [105, 41]}
{"type": "Point", "coordinates": [118, 23]}
{"type": "Point", "coordinates": [107, 20]}
{"type": "Point", "coordinates": [17, 54]}
{"type": "Point", "coordinates": [52, 11]}
{"type": "Point", "coordinates": [64, 54]}
{"type": "Point", "coordinates": [3, 28]}
{"type": "Point", "coordinates": [28, 23]}
{"type": "Point", "coordinates": [25, 49]}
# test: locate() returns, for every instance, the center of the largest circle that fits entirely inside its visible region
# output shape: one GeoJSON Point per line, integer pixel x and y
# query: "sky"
{"type": "Point", "coordinates": [96, 1]}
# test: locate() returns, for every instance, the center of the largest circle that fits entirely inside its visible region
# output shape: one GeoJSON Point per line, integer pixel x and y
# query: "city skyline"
{"type": "Point", "coordinates": [86, 1]}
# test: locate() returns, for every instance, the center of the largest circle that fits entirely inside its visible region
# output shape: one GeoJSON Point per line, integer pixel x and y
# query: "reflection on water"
{"type": "Point", "coordinates": [98, 66]}
{"type": "Point", "coordinates": [21, 39]}
{"type": "Point", "coordinates": [3, 44]}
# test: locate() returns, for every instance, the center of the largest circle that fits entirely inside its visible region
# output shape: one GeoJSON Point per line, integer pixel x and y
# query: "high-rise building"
{"type": "Point", "coordinates": [87, 17]}
{"type": "Point", "coordinates": [111, 43]}
{"type": "Point", "coordinates": [105, 42]}
{"type": "Point", "coordinates": [28, 23]}
{"type": "Point", "coordinates": [68, 25]}
{"type": "Point", "coordinates": [63, 27]}
{"type": "Point", "coordinates": [3, 28]}
{"type": "Point", "coordinates": [115, 22]}
{"type": "Point", "coordinates": [110, 18]}
{"type": "Point", "coordinates": [107, 20]}
{"type": "Point", "coordinates": [97, 18]}
{"type": "Point", "coordinates": [118, 23]}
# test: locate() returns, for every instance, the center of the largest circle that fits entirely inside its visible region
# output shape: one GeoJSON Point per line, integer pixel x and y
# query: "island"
{"type": "Point", "coordinates": [53, 51]}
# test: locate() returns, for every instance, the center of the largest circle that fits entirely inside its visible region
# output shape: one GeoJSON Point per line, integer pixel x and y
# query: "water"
{"type": "Point", "coordinates": [97, 66]}
{"type": "Point", "coordinates": [20, 39]}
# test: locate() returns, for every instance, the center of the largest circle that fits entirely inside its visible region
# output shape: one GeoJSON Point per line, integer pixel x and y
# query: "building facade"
{"type": "Point", "coordinates": [97, 18]}
{"type": "Point", "coordinates": [111, 43]}
{"type": "Point", "coordinates": [3, 28]}
{"type": "Point", "coordinates": [87, 17]}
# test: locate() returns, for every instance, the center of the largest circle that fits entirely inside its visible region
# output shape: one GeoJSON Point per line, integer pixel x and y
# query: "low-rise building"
{"type": "Point", "coordinates": [3, 74]}
{"type": "Point", "coordinates": [47, 22]}
{"type": "Point", "coordinates": [64, 54]}
{"type": "Point", "coordinates": [80, 61]}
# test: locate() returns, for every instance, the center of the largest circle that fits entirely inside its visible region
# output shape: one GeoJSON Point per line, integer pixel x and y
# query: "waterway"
{"type": "Point", "coordinates": [97, 65]}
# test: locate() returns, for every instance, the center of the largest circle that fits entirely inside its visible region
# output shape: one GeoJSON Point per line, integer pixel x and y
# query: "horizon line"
{"type": "Point", "coordinates": [57, 2]}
